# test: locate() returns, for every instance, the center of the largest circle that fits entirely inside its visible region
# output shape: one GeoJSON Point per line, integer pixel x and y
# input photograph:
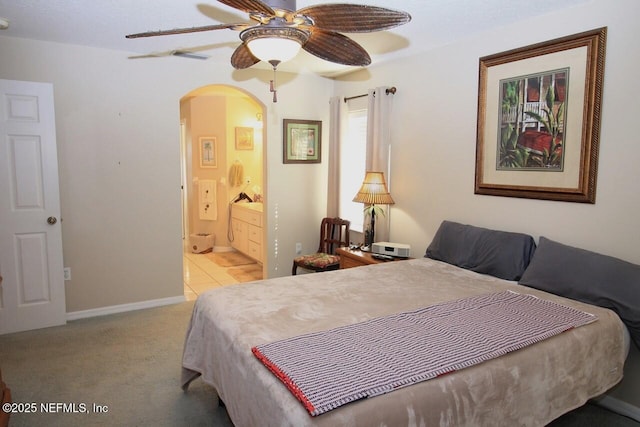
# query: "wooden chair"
{"type": "Point", "coordinates": [334, 233]}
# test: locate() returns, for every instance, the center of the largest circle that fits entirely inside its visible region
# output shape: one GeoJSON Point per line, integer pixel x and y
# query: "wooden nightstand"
{"type": "Point", "coordinates": [356, 258]}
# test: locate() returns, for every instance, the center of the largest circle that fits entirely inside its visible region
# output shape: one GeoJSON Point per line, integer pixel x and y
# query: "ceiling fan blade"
{"type": "Point", "coordinates": [190, 52]}
{"type": "Point", "coordinates": [151, 55]}
{"type": "Point", "coordinates": [243, 58]}
{"type": "Point", "coordinates": [335, 47]}
{"type": "Point", "coordinates": [238, 27]}
{"type": "Point", "coordinates": [250, 6]}
{"type": "Point", "coordinates": [177, 52]}
{"type": "Point", "coordinates": [190, 55]}
{"type": "Point", "coordinates": [354, 18]}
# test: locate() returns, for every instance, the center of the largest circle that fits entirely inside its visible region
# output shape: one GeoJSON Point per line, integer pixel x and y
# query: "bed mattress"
{"type": "Point", "coordinates": [527, 387]}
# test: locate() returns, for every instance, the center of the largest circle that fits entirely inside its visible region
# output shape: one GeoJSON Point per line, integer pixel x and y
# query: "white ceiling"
{"type": "Point", "coordinates": [104, 23]}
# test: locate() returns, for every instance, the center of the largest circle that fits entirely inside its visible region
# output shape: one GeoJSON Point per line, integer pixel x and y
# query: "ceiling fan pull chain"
{"type": "Point", "coordinates": [272, 83]}
{"type": "Point", "coordinates": [272, 88]}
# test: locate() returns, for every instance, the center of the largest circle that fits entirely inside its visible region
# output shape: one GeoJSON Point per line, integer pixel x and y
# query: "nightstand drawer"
{"type": "Point", "coordinates": [346, 262]}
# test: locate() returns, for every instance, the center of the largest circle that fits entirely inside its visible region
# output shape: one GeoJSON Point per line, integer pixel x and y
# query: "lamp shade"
{"type": "Point", "coordinates": [270, 48]}
{"type": "Point", "coordinates": [274, 43]}
{"type": "Point", "coordinates": [374, 190]}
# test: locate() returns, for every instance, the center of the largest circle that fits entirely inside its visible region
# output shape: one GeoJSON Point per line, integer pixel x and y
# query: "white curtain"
{"type": "Point", "coordinates": [379, 148]}
{"type": "Point", "coordinates": [333, 186]}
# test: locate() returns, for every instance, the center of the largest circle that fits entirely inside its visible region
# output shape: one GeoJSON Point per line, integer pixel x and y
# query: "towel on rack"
{"type": "Point", "coordinates": [207, 200]}
{"type": "Point", "coordinates": [236, 174]}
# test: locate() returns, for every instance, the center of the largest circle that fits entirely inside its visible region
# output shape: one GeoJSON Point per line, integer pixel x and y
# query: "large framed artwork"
{"type": "Point", "coordinates": [302, 141]}
{"type": "Point", "coordinates": [208, 152]}
{"type": "Point", "coordinates": [539, 119]}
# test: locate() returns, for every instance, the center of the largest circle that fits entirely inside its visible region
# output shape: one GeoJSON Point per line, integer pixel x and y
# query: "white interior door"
{"type": "Point", "coordinates": [32, 291]}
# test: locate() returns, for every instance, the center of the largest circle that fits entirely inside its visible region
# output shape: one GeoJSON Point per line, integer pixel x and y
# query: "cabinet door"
{"type": "Point", "coordinates": [255, 242]}
{"type": "Point", "coordinates": [255, 234]}
{"type": "Point", "coordinates": [240, 235]}
{"type": "Point", "coordinates": [255, 251]}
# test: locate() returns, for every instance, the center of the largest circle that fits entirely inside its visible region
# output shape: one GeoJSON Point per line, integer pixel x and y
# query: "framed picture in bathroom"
{"type": "Point", "coordinates": [208, 152]}
{"type": "Point", "coordinates": [302, 139]}
{"type": "Point", "coordinates": [244, 138]}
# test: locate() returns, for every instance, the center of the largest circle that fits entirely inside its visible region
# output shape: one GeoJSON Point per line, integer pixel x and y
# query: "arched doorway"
{"type": "Point", "coordinates": [223, 156]}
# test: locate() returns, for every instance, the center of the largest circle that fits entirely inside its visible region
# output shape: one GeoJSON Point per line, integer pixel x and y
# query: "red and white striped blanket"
{"type": "Point", "coordinates": [328, 369]}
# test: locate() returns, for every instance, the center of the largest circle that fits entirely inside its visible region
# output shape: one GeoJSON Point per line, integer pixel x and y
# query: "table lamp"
{"type": "Point", "coordinates": [373, 192]}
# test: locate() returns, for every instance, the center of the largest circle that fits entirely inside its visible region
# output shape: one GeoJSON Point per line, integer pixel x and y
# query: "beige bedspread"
{"type": "Point", "coordinates": [529, 387]}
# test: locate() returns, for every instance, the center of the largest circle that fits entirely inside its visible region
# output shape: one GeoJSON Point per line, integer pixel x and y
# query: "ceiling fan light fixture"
{"type": "Point", "coordinates": [274, 43]}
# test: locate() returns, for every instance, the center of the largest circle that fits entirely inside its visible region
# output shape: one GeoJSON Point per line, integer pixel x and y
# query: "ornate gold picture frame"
{"type": "Point", "coordinates": [539, 119]}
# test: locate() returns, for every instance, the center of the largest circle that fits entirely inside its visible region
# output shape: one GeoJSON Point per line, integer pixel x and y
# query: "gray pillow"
{"type": "Point", "coordinates": [588, 277]}
{"type": "Point", "coordinates": [501, 254]}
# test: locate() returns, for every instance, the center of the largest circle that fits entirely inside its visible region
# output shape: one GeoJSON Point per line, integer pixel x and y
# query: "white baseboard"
{"type": "Point", "coordinates": [101, 311]}
{"type": "Point", "coordinates": [619, 407]}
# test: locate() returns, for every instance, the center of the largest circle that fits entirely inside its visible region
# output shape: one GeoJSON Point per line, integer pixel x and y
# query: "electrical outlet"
{"type": "Point", "coordinates": [298, 248]}
{"type": "Point", "coordinates": [67, 273]}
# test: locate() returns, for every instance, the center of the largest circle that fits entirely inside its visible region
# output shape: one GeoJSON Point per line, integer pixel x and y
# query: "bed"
{"type": "Point", "coordinates": [527, 387]}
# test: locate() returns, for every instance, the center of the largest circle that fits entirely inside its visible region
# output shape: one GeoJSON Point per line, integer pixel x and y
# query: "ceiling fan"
{"type": "Point", "coordinates": [280, 31]}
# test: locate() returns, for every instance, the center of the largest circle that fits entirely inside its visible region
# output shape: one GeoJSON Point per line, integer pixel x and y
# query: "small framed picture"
{"type": "Point", "coordinates": [244, 138]}
{"type": "Point", "coordinates": [208, 152]}
{"type": "Point", "coordinates": [302, 141]}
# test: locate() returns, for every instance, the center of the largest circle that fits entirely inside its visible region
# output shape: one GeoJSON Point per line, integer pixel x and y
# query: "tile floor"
{"type": "Point", "coordinates": [201, 274]}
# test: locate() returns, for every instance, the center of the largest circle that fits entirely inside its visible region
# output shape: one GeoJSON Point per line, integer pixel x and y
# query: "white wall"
{"type": "Point", "coordinates": [434, 139]}
{"type": "Point", "coordinates": [118, 139]}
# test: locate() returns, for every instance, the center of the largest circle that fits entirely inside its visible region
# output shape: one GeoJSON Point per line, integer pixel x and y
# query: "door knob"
{"type": "Point", "coordinates": [51, 220]}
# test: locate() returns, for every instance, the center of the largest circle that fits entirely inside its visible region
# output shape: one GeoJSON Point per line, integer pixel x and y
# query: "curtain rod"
{"type": "Point", "coordinates": [391, 90]}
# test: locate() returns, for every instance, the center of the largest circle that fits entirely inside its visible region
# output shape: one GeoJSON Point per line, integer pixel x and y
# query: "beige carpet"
{"type": "Point", "coordinates": [229, 259]}
{"type": "Point", "coordinates": [246, 273]}
{"type": "Point", "coordinates": [128, 363]}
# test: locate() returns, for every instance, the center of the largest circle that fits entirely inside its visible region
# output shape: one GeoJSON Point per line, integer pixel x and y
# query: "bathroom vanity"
{"type": "Point", "coordinates": [247, 227]}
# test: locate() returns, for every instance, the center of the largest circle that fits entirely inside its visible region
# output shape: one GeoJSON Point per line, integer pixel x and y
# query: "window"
{"type": "Point", "coordinates": [352, 167]}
